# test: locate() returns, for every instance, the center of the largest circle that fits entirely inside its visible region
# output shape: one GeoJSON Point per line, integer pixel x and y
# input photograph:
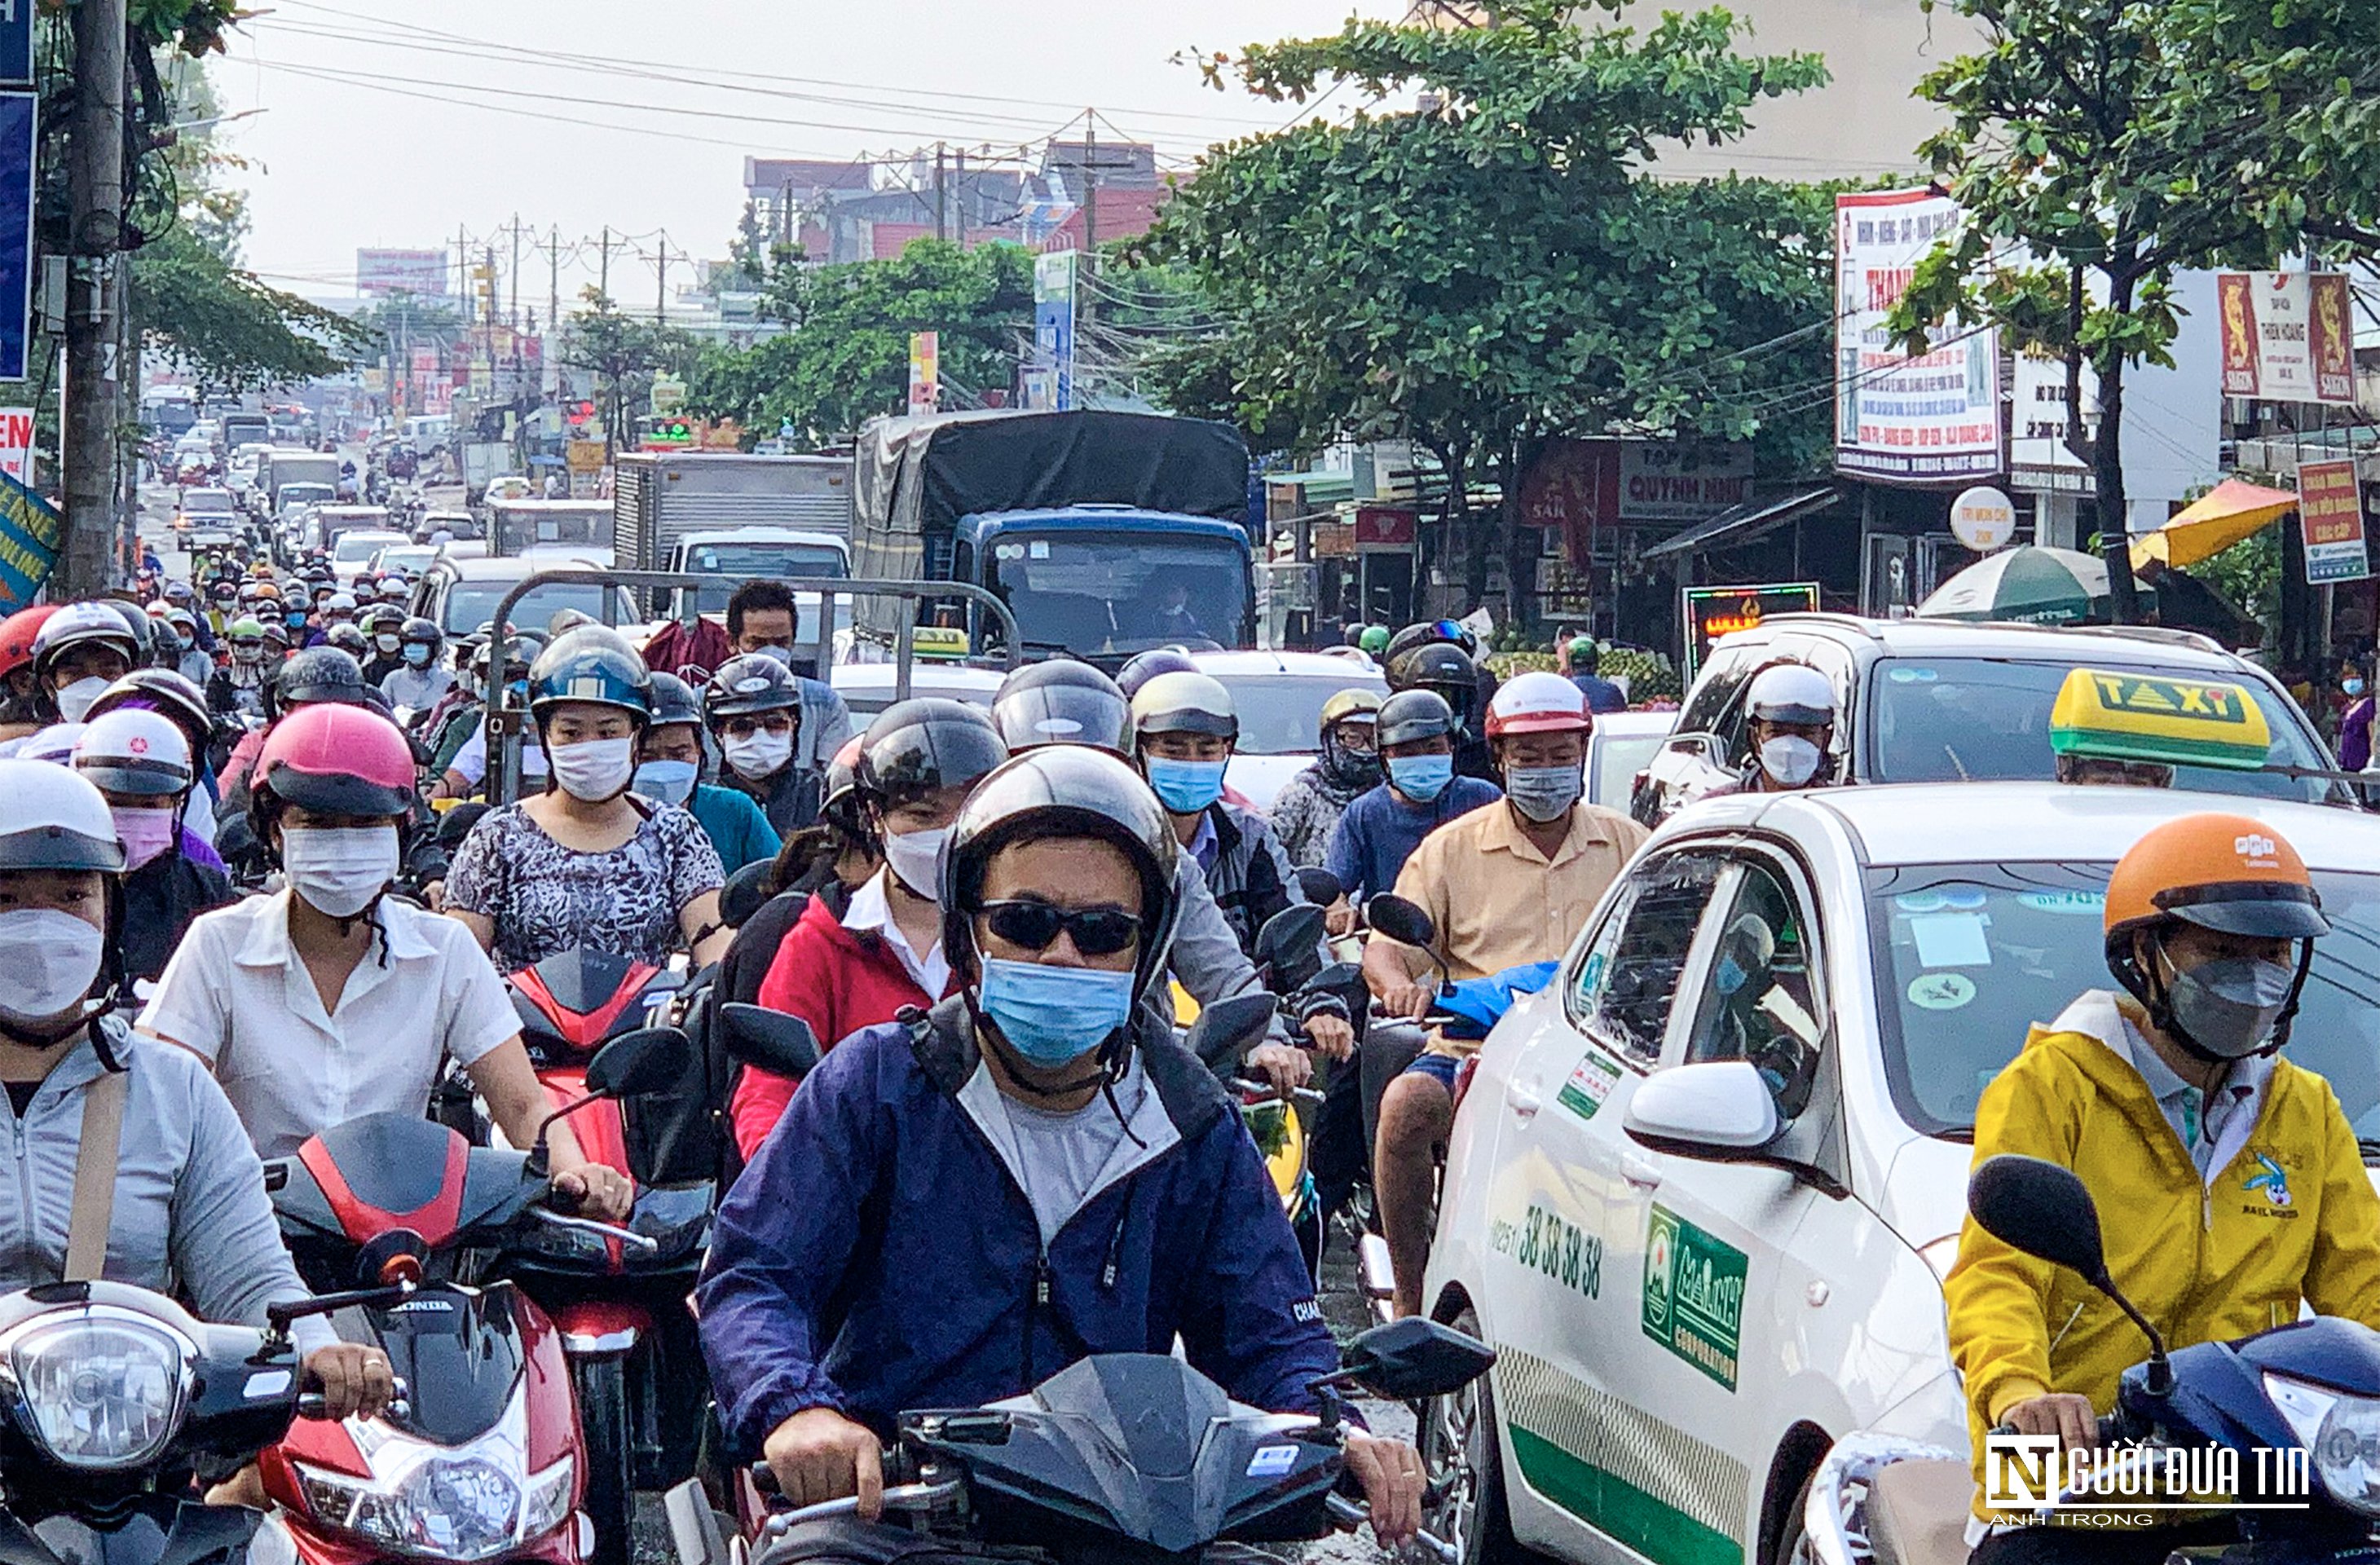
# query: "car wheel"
{"type": "Point", "coordinates": [1463, 1461]}
{"type": "Point", "coordinates": [1793, 1545]}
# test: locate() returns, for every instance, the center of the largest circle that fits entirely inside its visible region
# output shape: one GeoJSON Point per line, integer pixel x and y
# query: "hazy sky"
{"type": "Point", "coordinates": [394, 124]}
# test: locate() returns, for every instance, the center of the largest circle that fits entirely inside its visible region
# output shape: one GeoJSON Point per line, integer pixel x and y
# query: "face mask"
{"type": "Point", "coordinates": [783, 655]}
{"type": "Point", "coordinates": [594, 769]}
{"type": "Point", "coordinates": [145, 834]}
{"type": "Point", "coordinates": [667, 782]}
{"type": "Point", "coordinates": [48, 962]}
{"type": "Point", "coordinates": [1728, 976]}
{"type": "Point", "coordinates": [916, 858]}
{"type": "Point", "coordinates": [1790, 759]}
{"type": "Point", "coordinates": [1421, 778]}
{"type": "Point", "coordinates": [1186, 786]}
{"type": "Point", "coordinates": [386, 642]}
{"type": "Point", "coordinates": [2228, 1007]}
{"type": "Point", "coordinates": [74, 700]}
{"type": "Point", "coordinates": [2353, 686]}
{"type": "Point", "coordinates": [759, 756]}
{"type": "Point", "coordinates": [417, 654]}
{"type": "Point", "coordinates": [1358, 770]}
{"type": "Point", "coordinates": [246, 654]}
{"type": "Point", "coordinates": [1543, 793]}
{"type": "Point", "coordinates": [339, 870]}
{"type": "Point", "coordinates": [296, 619]}
{"type": "Point", "coordinates": [1052, 1015]}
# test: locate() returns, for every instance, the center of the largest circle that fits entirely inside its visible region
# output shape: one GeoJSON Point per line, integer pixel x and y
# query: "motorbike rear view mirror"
{"type": "Point", "coordinates": [648, 1059]}
{"type": "Point", "coordinates": [769, 1040]}
{"type": "Point", "coordinates": [1319, 886]}
{"type": "Point", "coordinates": [2045, 1211]}
{"type": "Point", "coordinates": [1229, 1028]}
{"type": "Point", "coordinates": [1290, 939]}
{"type": "Point", "coordinates": [1402, 921]}
{"type": "Point", "coordinates": [1412, 1358]}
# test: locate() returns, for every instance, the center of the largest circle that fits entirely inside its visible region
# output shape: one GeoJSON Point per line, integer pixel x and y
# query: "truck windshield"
{"type": "Point", "coordinates": [1118, 592]}
{"type": "Point", "coordinates": [740, 562]}
{"type": "Point", "coordinates": [473, 603]}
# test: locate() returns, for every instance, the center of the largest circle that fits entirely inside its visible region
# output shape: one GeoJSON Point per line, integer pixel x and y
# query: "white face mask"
{"type": "Point", "coordinates": [74, 700]}
{"type": "Point", "coordinates": [594, 769]}
{"type": "Point", "coordinates": [1790, 759]}
{"type": "Point", "coordinates": [759, 756]}
{"type": "Point", "coordinates": [386, 643]}
{"type": "Point", "coordinates": [915, 858]}
{"type": "Point", "coordinates": [339, 870]}
{"type": "Point", "coordinates": [48, 962]}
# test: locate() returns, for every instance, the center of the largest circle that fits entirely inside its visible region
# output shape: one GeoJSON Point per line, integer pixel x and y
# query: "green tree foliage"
{"type": "Point", "coordinates": [1505, 269]}
{"type": "Point", "coordinates": [2099, 145]}
{"type": "Point", "coordinates": [228, 330]}
{"type": "Point", "coordinates": [624, 354]}
{"type": "Point", "coordinates": [844, 357]}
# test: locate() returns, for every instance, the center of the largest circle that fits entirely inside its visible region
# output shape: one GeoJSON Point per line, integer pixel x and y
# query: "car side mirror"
{"type": "Point", "coordinates": [1716, 1109]}
{"type": "Point", "coordinates": [769, 1040]}
{"type": "Point", "coordinates": [1410, 1359]}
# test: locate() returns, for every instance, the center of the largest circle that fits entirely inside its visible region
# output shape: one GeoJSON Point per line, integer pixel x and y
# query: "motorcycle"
{"type": "Point", "coordinates": [2295, 1408]}
{"type": "Point", "coordinates": [1063, 1475]}
{"type": "Point", "coordinates": [634, 1356]}
{"type": "Point", "coordinates": [486, 1460]}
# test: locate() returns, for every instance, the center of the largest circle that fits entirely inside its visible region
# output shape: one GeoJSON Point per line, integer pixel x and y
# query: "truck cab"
{"type": "Point", "coordinates": [1105, 582]}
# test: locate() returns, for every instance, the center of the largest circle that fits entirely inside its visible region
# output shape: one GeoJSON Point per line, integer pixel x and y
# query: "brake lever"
{"type": "Point", "coordinates": [1353, 1514]}
{"type": "Point", "coordinates": [900, 1497]}
{"type": "Point", "coordinates": [628, 1238]}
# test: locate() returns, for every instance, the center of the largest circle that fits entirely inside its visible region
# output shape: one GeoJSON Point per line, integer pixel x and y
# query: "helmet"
{"type": "Point", "coordinates": [752, 683]}
{"type": "Point", "coordinates": [1184, 703]}
{"type": "Point", "coordinates": [55, 743]}
{"type": "Point", "coordinates": [164, 690]}
{"type": "Point", "coordinates": [336, 758]}
{"type": "Point", "coordinates": [247, 627]}
{"type": "Point", "coordinates": [1349, 705]}
{"type": "Point", "coordinates": [380, 617]}
{"type": "Point", "coordinates": [2231, 873]}
{"type": "Point", "coordinates": [131, 751]}
{"type": "Point", "coordinates": [1440, 666]}
{"type": "Point", "coordinates": [422, 630]}
{"type": "Point", "coordinates": [1075, 789]}
{"type": "Point", "coordinates": [136, 619]}
{"type": "Point", "coordinates": [16, 634]}
{"type": "Point", "coordinates": [395, 590]}
{"type": "Point", "coordinates": [1413, 714]}
{"type": "Point", "coordinates": [1537, 702]}
{"type": "Point", "coordinates": [839, 801]}
{"type": "Point", "coordinates": [155, 607]}
{"type": "Point", "coordinates": [1452, 633]}
{"type": "Point", "coordinates": [1793, 693]}
{"type": "Point", "coordinates": [1584, 648]}
{"type": "Point", "coordinates": [179, 591]}
{"type": "Point", "coordinates": [592, 665]}
{"type": "Point", "coordinates": [1375, 639]}
{"type": "Point", "coordinates": [79, 625]}
{"type": "Point", "coordinates": [1061, 702]}
{"type": "Point", "coordinates": [674, 702]}
{"type": "Point", "coordinates": [923, 744]}
{"type": "Point", "coordinates": [277, 633]}
{"type": "Point", "coordinates": [55, 820]}
{"type": "Point", "coordinates": [319, 675]}
{"type": "Point", "coordinates": [340, 604]}
{"type": "Point", "coordinates": [1150, 664]}
{"type": "Point", "coordinates": [348, 638]}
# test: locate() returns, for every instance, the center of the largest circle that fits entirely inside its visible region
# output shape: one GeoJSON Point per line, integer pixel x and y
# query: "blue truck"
{"type": "Point", "coordinates": [1105, 533]}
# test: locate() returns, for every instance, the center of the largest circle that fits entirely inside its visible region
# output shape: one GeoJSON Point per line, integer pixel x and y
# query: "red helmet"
{"type": "Point", "coordinates": [338, 759]}
{"type": "Point", "coordinates": [16, 632]}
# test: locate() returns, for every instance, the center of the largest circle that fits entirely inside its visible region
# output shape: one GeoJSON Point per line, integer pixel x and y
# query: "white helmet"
{"type": "Point", "coordinates": [54, 820]}
{"type": "Point", "coordinates": [131, 750]}
{"type": "Point", "coordinates": [1794, 693]}
{"type": "Point", "coordinates": [53, 744]}
{"type": "Point", "coordinates": [1185, 703]}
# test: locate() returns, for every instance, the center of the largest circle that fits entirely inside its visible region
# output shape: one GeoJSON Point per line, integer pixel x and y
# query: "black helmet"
{"type": "Point", "coordinates": [932, 742]}
{"type": "Point", "coordinates": [1413, 714]}
{"type": "Point", "coordinates": [752, 683]}
{"type": "Point", "coordinates": [674, 702]}
{"type": "Point", "coordinates": [1150, 664]}
{"type": "Point", "coordinates": [319, 675]}
{"type": "Point", "coordinates": [1077, 791]}
{"type": "Point", "coordinates": [1448, 632]}
{"type": "Point", "coordinates": [839, 791]}
{"type": "Point", "coordinates": [590, 663]}
{"type": "Point", "coordinates": [168, 692]}
{"type": "Point", "coordinates": [1440, 666]}
{"type": "Point", "coordinates": [423, 630]}
{"type": "Point", "coordinates": [144, 629]}
{"type": "Point", "coordinates": [348, 638]}
{"type": "Point", "coordinates": [1061, 702]}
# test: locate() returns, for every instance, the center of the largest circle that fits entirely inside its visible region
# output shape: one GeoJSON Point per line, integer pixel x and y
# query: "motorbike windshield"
{"type": "Point", "coordinates": [1969, 956]}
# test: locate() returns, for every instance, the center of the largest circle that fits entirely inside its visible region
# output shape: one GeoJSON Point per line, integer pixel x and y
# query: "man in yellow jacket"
{"type": "Point", "coordinates": [2230, 1182]}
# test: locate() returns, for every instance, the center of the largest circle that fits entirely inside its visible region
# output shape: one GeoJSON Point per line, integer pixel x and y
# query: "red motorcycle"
{"type": "Point", "coordinates": [634, 1355]}
{"type": "Point", "coordinates": [483, 1459]}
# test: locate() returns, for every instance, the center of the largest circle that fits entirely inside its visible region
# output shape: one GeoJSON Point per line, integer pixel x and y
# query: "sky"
{"type": "Point", "coordinates": [398, 124]}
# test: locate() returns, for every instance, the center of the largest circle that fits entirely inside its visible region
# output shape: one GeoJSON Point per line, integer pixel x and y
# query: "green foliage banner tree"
{"type": "Point", "coordinates": [624, 354]}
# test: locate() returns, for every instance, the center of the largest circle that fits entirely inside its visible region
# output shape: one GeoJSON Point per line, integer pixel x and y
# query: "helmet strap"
{"type": "Point", "coordinates": [2149, 985]}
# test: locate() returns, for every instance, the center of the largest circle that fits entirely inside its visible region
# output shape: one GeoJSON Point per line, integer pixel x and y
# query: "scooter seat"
{"type": "Point", "coordinates": [1917, 1512]}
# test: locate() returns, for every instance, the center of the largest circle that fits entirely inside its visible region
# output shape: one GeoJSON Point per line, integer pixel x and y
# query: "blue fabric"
{"type": "Point", "coordinates": [876, 1254]}
{"type": "Point", "coordinates": [1440, 1068]}
{"type": "Point", "coordinates": [1602, 695]}
{"type": "Point", "coordinates": [1379, 831]}
{"type": "Point", "coordinates": [734, 825]}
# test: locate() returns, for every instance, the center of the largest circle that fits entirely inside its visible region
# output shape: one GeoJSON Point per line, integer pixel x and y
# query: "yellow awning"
{"type": "Point", "coordinates": [2213, 522]}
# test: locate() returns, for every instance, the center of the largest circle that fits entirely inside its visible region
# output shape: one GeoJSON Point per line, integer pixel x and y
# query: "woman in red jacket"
{"type": "Point", "coordinates": [855, 959]}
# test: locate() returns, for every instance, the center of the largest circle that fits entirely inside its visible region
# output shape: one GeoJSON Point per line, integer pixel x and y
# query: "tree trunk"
{"type": "Point", "coordinates": [2107, 472]}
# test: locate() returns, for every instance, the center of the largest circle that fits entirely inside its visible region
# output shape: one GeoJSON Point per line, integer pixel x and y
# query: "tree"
{"type": "Point", "coordinates": [1502, 269]}
{"type": "Point", "coordinates": [844, 356]}
{"type": "Point", "coordinates": [2097, 146]}
{"type": "Point", "coordinates": [624, 354]}
{"type": "Point", "coordinates": [228, 330]}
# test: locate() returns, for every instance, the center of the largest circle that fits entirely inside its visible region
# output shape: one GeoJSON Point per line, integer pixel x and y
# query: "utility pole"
{"type": "Point", "coordinates": [95, 153]}
{"type": "Point", "coordinates": [603, 268]}
{"type": "Point", "coordinates": [463, 271]}
{"type": "Point", "coordinates": [1091, 261]}
{"type": "Point", "coordinates": [515, 316]}
{"type": "Point", "coordinates": [942, 202]}
{"type": "Point", "coordinates": [660, 281]}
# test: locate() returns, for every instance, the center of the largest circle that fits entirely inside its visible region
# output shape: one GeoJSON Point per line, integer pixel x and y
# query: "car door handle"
{"type": "Point", "coordinates": [1640, 1174]}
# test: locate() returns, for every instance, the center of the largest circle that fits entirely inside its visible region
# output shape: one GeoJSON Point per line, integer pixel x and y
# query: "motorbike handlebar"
{"type": "Point", "coordinates": [1305, 1097]}
{"type": "Point", "coordinates": [628, 1238]}
{"type": "Point", "coordinates": [313, 1404]}
{"type": "Point", "coordinates": [1353, 1514]}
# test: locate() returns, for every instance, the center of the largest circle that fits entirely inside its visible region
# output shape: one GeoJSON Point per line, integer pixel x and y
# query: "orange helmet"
{"type": "Point", "coordinates": [16, 632]}
{"type": "Point", "coordinates": [2231, 873]}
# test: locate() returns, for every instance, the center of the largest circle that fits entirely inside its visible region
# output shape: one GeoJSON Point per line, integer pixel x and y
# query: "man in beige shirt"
{"type": "Point", "coordinates": [1504, 886]}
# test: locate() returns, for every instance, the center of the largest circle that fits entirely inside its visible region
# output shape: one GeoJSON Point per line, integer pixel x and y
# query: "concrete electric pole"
{"type": "Point", "coordinates": [89, 443]}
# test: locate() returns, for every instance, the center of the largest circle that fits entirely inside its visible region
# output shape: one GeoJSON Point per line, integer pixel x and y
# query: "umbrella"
{"type": "Point", "coordinates": [2031, 586]}
{"type": "Point", "coordinates": [2212, 523]}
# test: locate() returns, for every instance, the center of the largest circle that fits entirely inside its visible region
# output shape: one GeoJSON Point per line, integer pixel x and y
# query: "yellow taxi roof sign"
{"type": "Point", "coordinates": [2118, 716]}
{"type": "Point", "coordinates": [937, 641]}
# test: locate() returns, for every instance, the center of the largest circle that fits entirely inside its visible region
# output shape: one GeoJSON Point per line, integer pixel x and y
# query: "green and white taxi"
{"type": "Point", "coordinates": [1702, 1189]}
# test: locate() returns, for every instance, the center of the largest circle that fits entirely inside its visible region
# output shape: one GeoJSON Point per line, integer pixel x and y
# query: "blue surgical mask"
{"type": "Point", "coordinates": [417, 653]}
{"type": "Point", "coordinates": [1186, 786]}
{"type": "Point", "coordinates": [2353, 686]}
{"type": "Point", "coordinates": [296, 617]}
{"type": "Point", "coordinates": [1052, 1015]}
{"type": "Point", "coordinates": [671, 782]}
{"type": "Point", "coordinates": [1421, 778]}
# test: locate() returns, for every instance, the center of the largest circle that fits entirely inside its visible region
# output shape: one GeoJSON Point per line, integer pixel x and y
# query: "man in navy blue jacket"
{"type": "Point", "coordinates": [960, 1204]}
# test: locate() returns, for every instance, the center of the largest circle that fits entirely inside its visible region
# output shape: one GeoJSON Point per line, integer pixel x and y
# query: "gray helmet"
{"type": "Point", "coordinates": [1061, 702]}
{"type": "Point", "coordinates": [926, 743]}
{"type": "Point", "coordinates": [1187, 702]}
{"type": "Point", "coordinates": [1074, 790]}
{"type": "Point", "coordinates": [1413, 714]}
{"type": "Point", "coordinates": [674, 702]}
{"type": "Point", "coordinates": [752, 683]}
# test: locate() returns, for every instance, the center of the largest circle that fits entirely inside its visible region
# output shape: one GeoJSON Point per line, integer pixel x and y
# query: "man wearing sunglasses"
{"type": "Point", "coordinates": [959, 1204]}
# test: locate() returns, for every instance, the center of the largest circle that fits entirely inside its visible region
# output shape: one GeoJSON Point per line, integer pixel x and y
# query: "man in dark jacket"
{"type": "Point", "coordinates": [1033, 1165]}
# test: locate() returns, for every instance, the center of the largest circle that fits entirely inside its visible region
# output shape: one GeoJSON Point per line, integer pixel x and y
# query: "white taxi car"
{"type": "Point", "coordinates": [1697, 1274]}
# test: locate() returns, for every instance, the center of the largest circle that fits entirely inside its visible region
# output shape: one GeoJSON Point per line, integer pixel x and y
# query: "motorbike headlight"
{"type": "Point", "coordinates": [99, 1393]}
{"type": "Point", "coordinates": [548, 1501]}
{"type": "Point", "coordinates": [2342, 1435]}
{"type": "Point", "coordinates": [463, 1507]}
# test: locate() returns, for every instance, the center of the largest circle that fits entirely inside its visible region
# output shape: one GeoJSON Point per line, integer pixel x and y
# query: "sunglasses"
{"type": "Point", "coordinates": [1034, 925]}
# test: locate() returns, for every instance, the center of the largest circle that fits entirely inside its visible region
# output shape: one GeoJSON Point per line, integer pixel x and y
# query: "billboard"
{"type": "Point", "coordinates": [1049, 379]}
{"type": "Point", "coordinates": [2287, 337]}
{"type": "Point", "coordinates": [401, 272]}
{"type": "Point", "coordinates": [2330, 518]}
{"type": "Point", "coordinates": [924, 372]}
{"type": "Point", "coordinates": [16, 441]}
{"type": "Point", "coordinates": [17, 43]}
{"type": "Point", "coordinates": [2040, 462]}
{"type": "Point", "coordinates": [1579, 485]}
{"type": "Point", "coordinates": [30, 531]}
{"type": "Point", "coordinates": [19, 117]}
{"type": "Point", "coordinates": [1931, 420]}
{"type": "Point", "coordinates": [1713, 611]}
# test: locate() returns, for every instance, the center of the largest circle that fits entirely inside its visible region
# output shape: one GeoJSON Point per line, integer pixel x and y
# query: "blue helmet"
{"type": "Point", "coordinates": [592, 663]}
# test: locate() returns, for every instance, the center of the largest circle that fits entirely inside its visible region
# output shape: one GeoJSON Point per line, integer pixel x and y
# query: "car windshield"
{"type": "Point", "coordinates": [1953, 720]}
{"type": "Point", "coordinates": [303, 493]}
{"type": "Point", "coordinates": [1119, 592]}
{"type": "Point", "coordinates": [1970, 956]}
{"type": "Point", "coordinates": [411, 559]}
{"type": "Point", "coordinates": [740, 562]}
{"type": "Point", "coordinates": [473, 603]}
{"type": "Point", "coordinates": [1282, 714]}
{"type": "Point", "coordinates": [218, 500]}
{"type": "Point", "coordinates": [1618, 758]}
{"type": "Point", "coordinates": [354, 546]}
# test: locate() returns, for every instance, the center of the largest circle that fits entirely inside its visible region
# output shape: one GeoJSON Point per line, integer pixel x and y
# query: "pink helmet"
{"type": "Point", "coordinates": [338, 759]}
